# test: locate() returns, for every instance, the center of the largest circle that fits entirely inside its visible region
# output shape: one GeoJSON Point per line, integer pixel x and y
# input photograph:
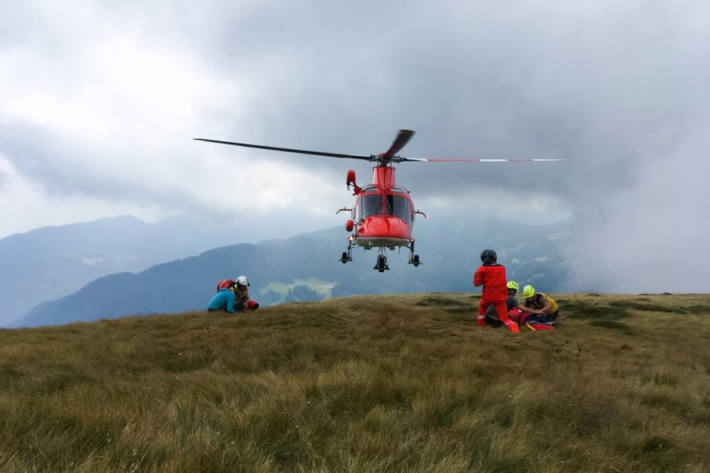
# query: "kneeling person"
{"type": "Point", "coordinates": [223, 300]}
{"type": "Point", "coordinates": [511, 306]}
{"type": "Point", "coordinates": [491, 276]}
{"type": "Point", "coordinates": [543, 307]}
{"type": "Point", "coordinates": [241, 295]}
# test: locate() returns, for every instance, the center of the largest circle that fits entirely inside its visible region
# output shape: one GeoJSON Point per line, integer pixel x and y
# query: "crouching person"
{"type": "Point", "coordinates": [223, 300]}
{"type": "Point", "coordinates": [511, 306]}
{"type": "Point", "coordinates": [242, 301]}
{"type": "Point", "coordinates": [539, 311]}
{"type": "Point", "coordinates": [232, 296]}
{"type": "Point", "coordinates": [491, 276]}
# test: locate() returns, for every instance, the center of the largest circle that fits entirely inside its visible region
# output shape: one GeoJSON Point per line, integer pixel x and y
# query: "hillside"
{"type": "Point", "coordinates": [306, 267]}
{"type": "Point", "coordinates": [377, 384]}
{"type": "Point", "coordinates": [52, 262]}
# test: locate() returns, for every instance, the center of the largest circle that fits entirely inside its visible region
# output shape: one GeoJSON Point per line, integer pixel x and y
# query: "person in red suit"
{"type": "Point", "coordinates": [491, 276]}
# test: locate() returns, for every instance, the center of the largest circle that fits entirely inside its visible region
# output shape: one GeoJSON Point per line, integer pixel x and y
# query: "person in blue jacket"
{"type": "Point", "coordinates": [223, 300]}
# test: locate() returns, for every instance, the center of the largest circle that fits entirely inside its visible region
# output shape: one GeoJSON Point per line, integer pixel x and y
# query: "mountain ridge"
{"type": "Point", "coordinates": [51, 262]}
{"type": "Point", "coordinates": [187, 283]}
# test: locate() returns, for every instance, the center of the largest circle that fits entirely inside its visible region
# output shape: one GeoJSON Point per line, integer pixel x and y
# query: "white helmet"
{"type": "Point", "coordinates": [243, 281]}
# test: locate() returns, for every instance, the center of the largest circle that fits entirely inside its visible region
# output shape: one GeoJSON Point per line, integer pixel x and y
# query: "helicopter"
{"type": "Point", "coordinates": [383, 214]}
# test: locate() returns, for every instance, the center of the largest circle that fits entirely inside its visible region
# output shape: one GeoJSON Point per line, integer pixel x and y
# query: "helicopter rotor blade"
{"type": "Point", "coordinates": [493, 160]}
{"type": "Point", "coordinates": [389, 156]}
{"type": "Point", "coordinates": [289, 150]}
{"type": "Point", "coordinates": [402, 138]}
{"type": "Point", "coordinates": [476, 160]}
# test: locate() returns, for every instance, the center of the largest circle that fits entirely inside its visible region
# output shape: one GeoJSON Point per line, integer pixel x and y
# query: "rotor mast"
{"type": "Point", "coordinates": [383, 176]}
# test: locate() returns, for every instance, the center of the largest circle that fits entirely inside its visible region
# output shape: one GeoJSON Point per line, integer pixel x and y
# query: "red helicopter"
{"type": "Point", "coordinates": [383, 214]}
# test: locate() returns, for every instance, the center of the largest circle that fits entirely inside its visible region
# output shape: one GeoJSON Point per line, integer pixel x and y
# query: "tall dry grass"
{"type": "Point", "coordinates": [404, 383]}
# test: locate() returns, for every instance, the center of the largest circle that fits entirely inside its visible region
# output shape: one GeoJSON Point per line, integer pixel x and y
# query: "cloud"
{"type": "Point", "coordinates": [104, 101]}
{"type": "Point", "coordinates": [651, 237]}
{"type": "Point", "coordinates": [26, 205]}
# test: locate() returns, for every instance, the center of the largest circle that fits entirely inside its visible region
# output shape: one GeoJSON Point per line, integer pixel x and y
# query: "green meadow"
{"type": "Point", "coordinates": [401, 383]}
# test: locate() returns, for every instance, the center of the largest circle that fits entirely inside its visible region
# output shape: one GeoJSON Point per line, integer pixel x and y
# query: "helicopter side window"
{"type": "Point", "coordinates": [398, 206]}
{"type": "Point", "coordinates": [370, 205]}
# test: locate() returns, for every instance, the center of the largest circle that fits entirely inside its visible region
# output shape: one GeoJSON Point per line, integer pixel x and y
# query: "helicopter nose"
{"type": "Point", "coordinates": [384, 227]}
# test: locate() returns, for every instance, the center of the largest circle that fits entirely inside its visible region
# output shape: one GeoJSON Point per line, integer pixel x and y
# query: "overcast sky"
{"type": "Point", "coordinates": [100, 104]}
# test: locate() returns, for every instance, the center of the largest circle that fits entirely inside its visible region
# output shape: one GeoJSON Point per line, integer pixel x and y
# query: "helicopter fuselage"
{"type": "Point", "coordinates": [383, 214]}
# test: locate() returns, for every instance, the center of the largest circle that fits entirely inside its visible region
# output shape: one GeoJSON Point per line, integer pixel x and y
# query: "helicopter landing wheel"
{"type": "Point", "coordinates": [413, 259]}
{"type": "Point", "coordinates": [381, 264]}
{"type": "Point", "coordinates": [344, 258]}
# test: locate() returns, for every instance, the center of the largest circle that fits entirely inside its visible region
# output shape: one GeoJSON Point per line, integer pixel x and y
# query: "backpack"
{"type": "Point", "coordinates": [225, 284]}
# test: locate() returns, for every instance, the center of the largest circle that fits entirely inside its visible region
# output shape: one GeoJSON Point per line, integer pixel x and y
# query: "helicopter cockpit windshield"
{"type": "Point", "coordinates": [398, 206]}
{"type": "Point", "coordinates": [370, 204]}
{"type": "Point", "coordinates": [395, 205]}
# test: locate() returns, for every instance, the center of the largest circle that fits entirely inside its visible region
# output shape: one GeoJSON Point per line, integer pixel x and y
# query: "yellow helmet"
{"type": "Point", "coordinates": [513, 285]}
{"type": "Point", "coordinates": [528, 291]}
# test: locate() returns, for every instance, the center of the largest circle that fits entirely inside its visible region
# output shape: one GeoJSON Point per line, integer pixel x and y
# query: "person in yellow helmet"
{"type": "Point", "coordinates": [511, 306]}
{"type": "Point", "coordinates": [543, 307]}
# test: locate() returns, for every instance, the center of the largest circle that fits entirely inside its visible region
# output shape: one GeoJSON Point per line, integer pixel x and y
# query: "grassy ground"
{"type": "Point", "coordinates": [404, 383]}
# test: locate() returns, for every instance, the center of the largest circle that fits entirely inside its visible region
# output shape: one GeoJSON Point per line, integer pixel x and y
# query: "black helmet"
{"type": "Point", "coordinates": [488, 256]}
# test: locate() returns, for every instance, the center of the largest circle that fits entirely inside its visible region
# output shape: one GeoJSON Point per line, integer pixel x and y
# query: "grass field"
{"type": "Point", "coordinates": [404, 383]}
